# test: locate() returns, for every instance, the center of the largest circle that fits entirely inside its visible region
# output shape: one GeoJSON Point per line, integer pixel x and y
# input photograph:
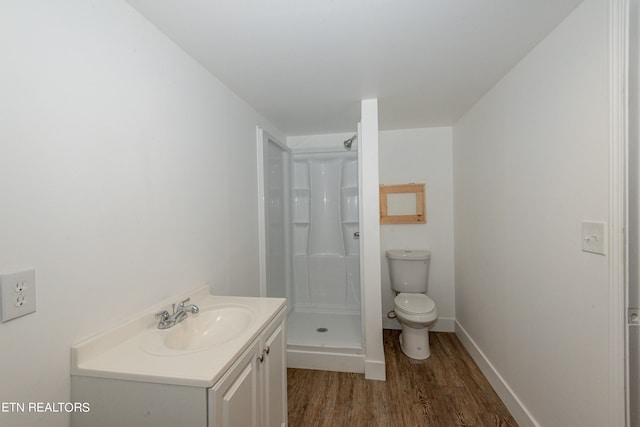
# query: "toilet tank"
{"type": "Point", "coordinates": [408, 270]}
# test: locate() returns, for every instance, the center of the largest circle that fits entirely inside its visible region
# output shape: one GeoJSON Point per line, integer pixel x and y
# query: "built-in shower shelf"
{"type": "Point", "coordinates": [300, 222]}
{"type": "Point", "coordinates": [350, 222]}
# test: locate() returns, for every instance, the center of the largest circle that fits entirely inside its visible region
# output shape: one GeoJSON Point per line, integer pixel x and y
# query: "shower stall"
{"type": "Point", "coordinates": [312, 256]}
{"type": "Point", "coordinates": [325, 250]}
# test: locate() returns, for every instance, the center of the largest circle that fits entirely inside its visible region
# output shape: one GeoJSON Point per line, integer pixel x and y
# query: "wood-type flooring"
{"type": "Point", "coordinates": [447, 389]}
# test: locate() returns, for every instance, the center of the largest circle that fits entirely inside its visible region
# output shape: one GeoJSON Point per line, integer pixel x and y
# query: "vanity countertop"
{"type": "Point", "coordinates": [119, 353]}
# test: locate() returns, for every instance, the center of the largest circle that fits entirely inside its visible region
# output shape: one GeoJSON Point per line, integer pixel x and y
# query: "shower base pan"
{"type": "Point", "coordinates": [325, 341]}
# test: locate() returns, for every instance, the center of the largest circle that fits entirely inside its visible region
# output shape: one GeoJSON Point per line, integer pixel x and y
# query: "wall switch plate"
{"type": "Point", "coordinates": [594, 237]}
{"type": "Point", "coordinates": [17, 293]}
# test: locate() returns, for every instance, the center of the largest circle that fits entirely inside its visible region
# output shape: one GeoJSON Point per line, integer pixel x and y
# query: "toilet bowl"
{"type": "Point", "coordinates": [415, 312]}
{"type": "Point", "coordinates": [409, 272]}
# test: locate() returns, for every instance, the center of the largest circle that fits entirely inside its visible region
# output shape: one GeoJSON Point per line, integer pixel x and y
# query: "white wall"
{"type": "Point", "coordinates": [530, 163]}
{"type": "Point", "coordinates": [422, 156]}
{"type": "Point", "coordinates": [127, 175]}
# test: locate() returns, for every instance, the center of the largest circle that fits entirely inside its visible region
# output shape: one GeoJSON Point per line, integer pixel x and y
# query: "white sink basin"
{"type": "Point", "coordinates": [213, 325]}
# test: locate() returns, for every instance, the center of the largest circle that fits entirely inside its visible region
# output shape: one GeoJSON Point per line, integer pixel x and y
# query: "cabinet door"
{"type": "Point", "coordinates": [117, 403]}
{"type": "Point", "coordinates": [275, 377]}
{"type": "Point", "coordinates": [233, 401]}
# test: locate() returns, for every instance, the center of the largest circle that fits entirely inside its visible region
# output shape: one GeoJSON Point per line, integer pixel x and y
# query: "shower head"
{"type": "Point", "coordinates": [348, 142]}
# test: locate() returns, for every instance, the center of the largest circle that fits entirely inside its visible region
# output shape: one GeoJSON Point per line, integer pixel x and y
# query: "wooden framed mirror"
{"type": "Point", "coordinates": [402, 204]}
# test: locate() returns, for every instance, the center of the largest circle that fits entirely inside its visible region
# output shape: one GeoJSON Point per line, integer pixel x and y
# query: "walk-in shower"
{"type": "Point", "coordinates": [312, 252]}
{"type": "Point", "coordinates": [325, 250]}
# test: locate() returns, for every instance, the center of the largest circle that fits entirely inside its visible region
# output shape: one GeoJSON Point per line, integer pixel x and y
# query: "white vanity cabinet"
{"type": "Point", "coordinates": [241, 385]}
{"type": "Point", "coordinates": [253, 393]}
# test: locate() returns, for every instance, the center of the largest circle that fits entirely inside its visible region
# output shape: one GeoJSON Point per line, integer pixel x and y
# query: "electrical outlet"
{"type": "Point", "coordinates": [20, 286]}
{"type": "Point", "coordinates": [17, 292]}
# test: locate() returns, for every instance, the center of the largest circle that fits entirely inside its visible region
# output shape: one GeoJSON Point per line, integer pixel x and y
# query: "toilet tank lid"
{"type": "Point", "coordinates": [408, 254]}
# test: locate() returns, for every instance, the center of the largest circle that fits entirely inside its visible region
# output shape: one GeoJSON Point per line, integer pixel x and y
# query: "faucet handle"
{"type": "Point", "coordinates": [163, 315]}
{"type": "Point", "coordinates": [180, 305]}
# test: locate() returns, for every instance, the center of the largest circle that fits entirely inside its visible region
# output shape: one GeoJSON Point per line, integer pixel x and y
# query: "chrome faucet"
{"type": "Point", "coordinates": [179, 314]}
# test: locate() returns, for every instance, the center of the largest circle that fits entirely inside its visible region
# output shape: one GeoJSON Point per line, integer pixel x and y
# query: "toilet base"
{"type": "Point", "coordinates": [415, 343]}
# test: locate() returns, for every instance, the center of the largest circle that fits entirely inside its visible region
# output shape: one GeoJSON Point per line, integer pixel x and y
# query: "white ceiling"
{"type": "Point", "coordinates": [306, 64]}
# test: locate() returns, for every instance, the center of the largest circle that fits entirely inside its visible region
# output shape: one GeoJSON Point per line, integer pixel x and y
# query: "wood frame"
{"type": "Point", "coordinates": [419, 218]}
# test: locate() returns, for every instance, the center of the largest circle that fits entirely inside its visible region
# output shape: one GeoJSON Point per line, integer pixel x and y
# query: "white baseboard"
{"type": "Point", "coordinates": [443, 324]}
{"type": "Point", "coordinates": [522, 416]}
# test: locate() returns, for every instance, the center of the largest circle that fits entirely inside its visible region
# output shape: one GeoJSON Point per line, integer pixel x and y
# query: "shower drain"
{"type": "Point", "coordinates": [322, 330]}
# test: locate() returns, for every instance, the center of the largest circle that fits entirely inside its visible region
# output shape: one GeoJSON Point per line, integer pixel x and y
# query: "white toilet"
{"type": "Point", "coordinates": [409, 272]}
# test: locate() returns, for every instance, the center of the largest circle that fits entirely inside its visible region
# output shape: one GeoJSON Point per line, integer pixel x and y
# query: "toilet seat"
{"type": "Point", "coordinates": [414, 304]}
